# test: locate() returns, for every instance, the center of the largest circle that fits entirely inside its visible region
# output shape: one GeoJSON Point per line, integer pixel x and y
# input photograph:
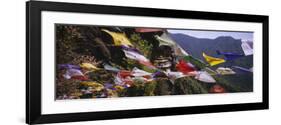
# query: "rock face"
{"type": "Point", "coordinates": [164, 87]}
{"type": "Point", "coordinates": [188, 85]}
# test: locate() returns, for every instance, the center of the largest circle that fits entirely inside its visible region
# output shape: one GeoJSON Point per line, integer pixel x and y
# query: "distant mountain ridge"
{"type": "Point", "coordinates": [196, 46]}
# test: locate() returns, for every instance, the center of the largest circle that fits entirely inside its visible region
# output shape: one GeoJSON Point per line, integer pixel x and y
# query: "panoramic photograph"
{"type": "Point", "coordinates": [111, 61]}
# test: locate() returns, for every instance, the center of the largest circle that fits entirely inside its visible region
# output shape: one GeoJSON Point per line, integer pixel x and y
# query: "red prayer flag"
{"type": "Point", "coordinates": [146, 30]}
{"type": "Point", "coordinates": [183, 67]}
{"type": "Point", "coordinates": [83, 78]}
{"type": "Point", "coordinates": [217, 89]}
{"type": "Point", "coordinates": [124, 73]}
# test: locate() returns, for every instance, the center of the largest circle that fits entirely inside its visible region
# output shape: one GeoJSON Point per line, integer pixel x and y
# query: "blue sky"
{"type": "Point", "coordinates": [214, 34]}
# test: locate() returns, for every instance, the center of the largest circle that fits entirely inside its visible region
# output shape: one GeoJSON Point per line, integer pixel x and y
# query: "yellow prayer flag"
{"type": "Point", "coordinates": [119, 38]}
{"type": "Point", "coordinates": [212, 60]}
{"type": "Point", "coordinates": [89, 66]}
{"type": "Point", "coordinates": [95, 86]}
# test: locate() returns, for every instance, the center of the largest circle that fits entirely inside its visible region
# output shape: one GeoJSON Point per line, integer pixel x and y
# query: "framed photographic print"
{"type": "Point", "coordinates": [94, 62]}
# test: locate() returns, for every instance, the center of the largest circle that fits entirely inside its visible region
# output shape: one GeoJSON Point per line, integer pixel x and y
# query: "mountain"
{"type": "Point", "coordinates": [196, 46]}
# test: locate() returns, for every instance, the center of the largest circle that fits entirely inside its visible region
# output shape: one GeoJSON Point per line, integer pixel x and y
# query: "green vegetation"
{"type": "Point", "coordinates": [143, 45]}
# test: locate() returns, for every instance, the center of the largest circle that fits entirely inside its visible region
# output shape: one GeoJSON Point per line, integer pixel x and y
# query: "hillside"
{"type": "Point", "coordinates": [195, 47]}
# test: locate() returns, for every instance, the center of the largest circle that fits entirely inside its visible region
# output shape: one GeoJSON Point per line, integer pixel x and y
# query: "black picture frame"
{"type": "Point", "coordinates": [33, 61]}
